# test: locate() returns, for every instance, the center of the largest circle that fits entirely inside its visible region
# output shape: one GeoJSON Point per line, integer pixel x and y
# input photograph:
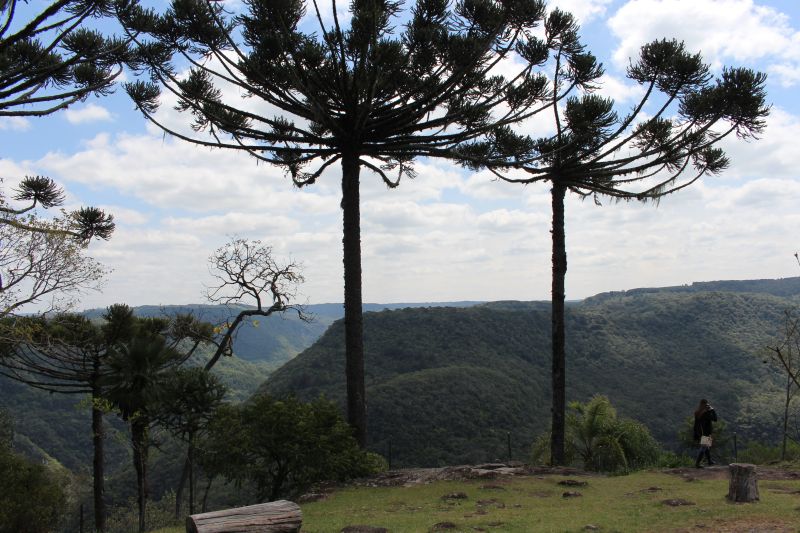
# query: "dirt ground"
{"type": "Point", "coordinates": [414, 476]}
{"type": "Point", "coordinates": [766, 473]}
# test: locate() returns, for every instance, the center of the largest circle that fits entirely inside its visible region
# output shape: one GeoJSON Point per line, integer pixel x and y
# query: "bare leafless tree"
{"type": "Point", "coordinates": [248, 274]}
{"type": "Point", "coordinates": [44, 258]}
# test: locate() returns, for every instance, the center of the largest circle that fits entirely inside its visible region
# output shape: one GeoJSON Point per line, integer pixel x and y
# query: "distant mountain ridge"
{"type": "Point", "coordinates": [277, 338]}
{"type": "Point", "coordinates": [785, 287]}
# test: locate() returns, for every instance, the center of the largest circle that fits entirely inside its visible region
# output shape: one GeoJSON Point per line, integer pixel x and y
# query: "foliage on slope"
{"type": "Point", "coordinates": [445, 386]}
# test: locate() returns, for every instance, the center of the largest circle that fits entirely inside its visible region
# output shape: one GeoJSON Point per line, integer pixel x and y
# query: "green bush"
{"type": "Point", "coordinates": [758, 453]}
{"type": "Point", "coordinates": [32, 496]}
{"type": "Point", "coordinates": [283, 446]}
{"type": "Point", "coordinates": [600, 440]}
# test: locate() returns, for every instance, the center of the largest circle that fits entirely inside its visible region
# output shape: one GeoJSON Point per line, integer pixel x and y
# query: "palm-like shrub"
{"type": "Point", "coordinates": [601, 440]}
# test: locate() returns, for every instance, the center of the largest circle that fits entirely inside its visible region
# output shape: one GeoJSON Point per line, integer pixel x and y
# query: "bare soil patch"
{"type": "Point", "coordinates": [766, 473]}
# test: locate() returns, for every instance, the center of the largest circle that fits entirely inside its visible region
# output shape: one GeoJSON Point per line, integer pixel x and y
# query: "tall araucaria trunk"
{"type": "Point", "coordinates": [98, 470]}
{"type": "Point", "coordinates": [353, 323]}
{"type": "Point", "coordinates": [557, 303]}
{"type": "Point", "coordinates": [190, 456]}
{"type": "Point", "coordinates": [139, 440]}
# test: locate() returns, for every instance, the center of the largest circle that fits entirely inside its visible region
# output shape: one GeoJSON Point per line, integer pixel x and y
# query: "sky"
{"type": "Point", "coordinates": [449, 234]}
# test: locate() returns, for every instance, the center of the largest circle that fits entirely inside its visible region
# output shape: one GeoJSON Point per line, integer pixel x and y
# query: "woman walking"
{"type": "Point", "coordinates": [704, 418]}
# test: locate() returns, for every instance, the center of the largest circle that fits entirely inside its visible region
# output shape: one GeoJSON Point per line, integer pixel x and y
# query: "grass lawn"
{"type": "Point", "coordinates": [531, 504]}
{"type": "Point", "coordinates": [627, 504]}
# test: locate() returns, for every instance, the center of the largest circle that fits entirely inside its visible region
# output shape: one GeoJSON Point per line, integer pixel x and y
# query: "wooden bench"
{"type": "Point", "coordinates": [280, 516]}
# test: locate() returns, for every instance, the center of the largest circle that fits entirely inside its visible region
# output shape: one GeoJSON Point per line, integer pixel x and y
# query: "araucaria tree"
{"type": "Point", "coordinates": [393, 86]}
{"type": "Point", "coordinates": [667, 141]}
{"type": "Point", "coordinates": [50, 59]}
{"type": "Point", "coordinates": [138, 368]}
{"type": "Point", "coordinates": [65, 354]}
{"type": "Point", "coordinates": [70, 354]}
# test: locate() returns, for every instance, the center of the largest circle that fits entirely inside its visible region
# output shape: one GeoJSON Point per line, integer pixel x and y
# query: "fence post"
{"type": "Point", "coordinates": [735, 448]}
{"type": "Point", "coordinates": [508, 436]}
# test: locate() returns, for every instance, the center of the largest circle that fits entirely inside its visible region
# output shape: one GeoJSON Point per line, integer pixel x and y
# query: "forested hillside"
{"type": "Point", "coordinates": [58, 426]}
{"type": "Point", "coordinates": [445, 385]}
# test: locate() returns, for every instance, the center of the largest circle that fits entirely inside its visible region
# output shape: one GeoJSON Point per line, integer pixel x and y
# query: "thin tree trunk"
{"type": "Point", "coordinates": [98, 470]}
{"type": "Point", "coordinates": [139, 438]}
{"type": "Point", "coordinates": [558, 411]}
{"type": "Point", "coordinates": [205, 494]}
{"type": "Point", "coordinates": [353, 325]}
{"type": "Point", "coordinates": [786, 415]}
{"type": "Point", "coordinates": [179, 490]}
{"type": "Point", "coordinates": [191, 474]}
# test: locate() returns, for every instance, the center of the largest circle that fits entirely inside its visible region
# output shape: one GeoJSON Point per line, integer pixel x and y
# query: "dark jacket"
{"type": "Point", "coordinates": [703, 424]}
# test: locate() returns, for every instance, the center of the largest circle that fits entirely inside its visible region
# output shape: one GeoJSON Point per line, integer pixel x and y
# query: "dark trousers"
{"type": "Point", "coordinates": [705, 451]}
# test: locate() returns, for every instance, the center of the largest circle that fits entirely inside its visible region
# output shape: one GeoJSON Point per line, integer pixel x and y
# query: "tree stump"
{"type": "Point", "coordinates": [743, 486]}
{"type": "Point", "coordinates": [281, 516]}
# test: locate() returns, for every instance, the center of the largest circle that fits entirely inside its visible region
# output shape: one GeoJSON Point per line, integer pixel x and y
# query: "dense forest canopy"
{"type": "Point", "coordinates": [448, 385]}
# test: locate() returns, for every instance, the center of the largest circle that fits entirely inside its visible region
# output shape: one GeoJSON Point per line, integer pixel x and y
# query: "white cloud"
{"type": "Point", "coordinates": [584, 10]}
{"type": "Point", "coordinates": [505, 221]}
{"type": "Point", "coordinates": [619, 89]}
{"type": "Point", "coordinates": [234, 223]}
{"type": "Point", "coordinates": [125, 216]}
{"type": "Point", "coordinates": [87, 113]}
{"type": "Point", "coordinates": [14, 124]}
{"type": "Point", "coordinates": [724, 31]}
{"type": "Point", "coordinates": [170, 173]}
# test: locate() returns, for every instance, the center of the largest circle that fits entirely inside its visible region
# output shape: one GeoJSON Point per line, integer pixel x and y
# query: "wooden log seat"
{"type": "Point", "coordinates": [280, 516]}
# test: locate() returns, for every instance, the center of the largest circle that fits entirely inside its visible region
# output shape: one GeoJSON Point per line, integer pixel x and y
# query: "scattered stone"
{"type": "Point", "coordinates": [312, 497]}
{"type": "Point", "coordinates": [700, 526]}
{"type": "Point", "coordinates": [493, 502]}
{"type": "Point", "coordinates": [677, 502]}
{"type": "Point", "coordinates": [492, 486]}
{"type": "Point", "coordinates": [490, 466]}
{"type": "Point", "coordinates": [455, 496]}
{"type": "Point", "coordinates": [573, 483]}
{"type": "Point", "coordinates": [571, 494]}
{"type": "Point", "coordinates": [511, 471]}
{"type": "Point", "coordinates": [364, 529]}
{"type": "Point", "coordinates": [442, 526]}
{"type": "Point", "coordinates": [783, 490]}
{"type": "Point", "coordinates": [652, 489]}
{"type": "Point", "coordinates": [496, 524]}
{"type": "Point", "coordinates": [591, 527]}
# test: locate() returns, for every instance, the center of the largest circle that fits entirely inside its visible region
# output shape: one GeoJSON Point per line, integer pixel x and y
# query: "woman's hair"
{"type": "Point", "coordinates": [702, 408]}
